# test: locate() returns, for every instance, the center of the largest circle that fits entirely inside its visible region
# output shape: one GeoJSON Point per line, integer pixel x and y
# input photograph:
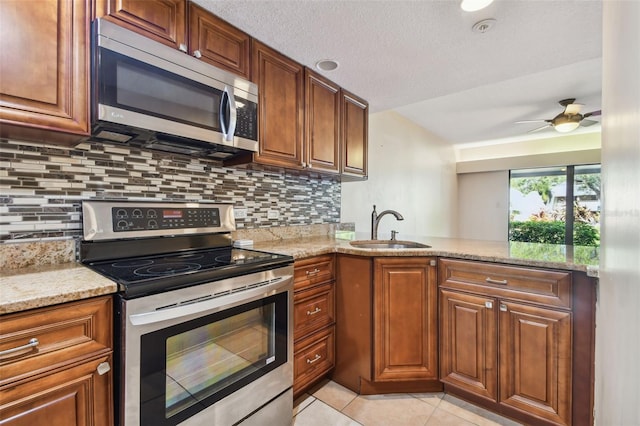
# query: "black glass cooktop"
{"type": "Point", "coordinates": [142, 275]}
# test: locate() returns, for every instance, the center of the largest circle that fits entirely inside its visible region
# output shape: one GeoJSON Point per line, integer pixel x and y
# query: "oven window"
{"type": "Point", "coordinates": [187, 367]}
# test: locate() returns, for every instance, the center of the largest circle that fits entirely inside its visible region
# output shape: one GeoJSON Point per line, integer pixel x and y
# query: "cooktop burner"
{"type": "Point", "coordinates": [132, 270]}
{"type": "Point", "coordinates": [150, 274]}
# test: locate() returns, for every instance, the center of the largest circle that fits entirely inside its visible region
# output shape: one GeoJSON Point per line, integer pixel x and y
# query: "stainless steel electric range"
{"type": "Point", "coordinates": [204, 330]}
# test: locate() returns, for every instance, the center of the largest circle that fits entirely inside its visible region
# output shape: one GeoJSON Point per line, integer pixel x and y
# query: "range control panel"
{"type": "Point", "coordinates": [126, 219]}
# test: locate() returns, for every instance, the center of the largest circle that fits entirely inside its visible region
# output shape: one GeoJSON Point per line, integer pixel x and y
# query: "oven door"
{"type": "Point", "coordinates": [214, 366]}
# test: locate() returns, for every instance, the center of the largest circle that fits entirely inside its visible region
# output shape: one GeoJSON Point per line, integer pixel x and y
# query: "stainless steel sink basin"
{"type": "Point", "coordinates": [387, 244]}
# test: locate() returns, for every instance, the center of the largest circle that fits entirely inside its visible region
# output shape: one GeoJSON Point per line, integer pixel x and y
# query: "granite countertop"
{"type": "Point", "coordinates": [45, 285]}
{"type": "Point", "coordinates": [38, 286]}
{"type": "Point", "coordinates": [526, 254]}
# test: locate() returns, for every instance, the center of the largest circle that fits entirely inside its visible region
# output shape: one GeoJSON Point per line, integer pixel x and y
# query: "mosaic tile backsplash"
{"type": "Point", "coordinates": [42, 186]}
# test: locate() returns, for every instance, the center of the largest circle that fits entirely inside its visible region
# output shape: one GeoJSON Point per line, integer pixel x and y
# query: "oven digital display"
{"type": "Point", "coordinates": [172, 214]}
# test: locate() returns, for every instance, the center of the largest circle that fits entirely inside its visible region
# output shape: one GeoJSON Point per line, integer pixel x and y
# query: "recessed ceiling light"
{"type": "Point", "coordinates": [473, 5]}
{"type": "Point", "coordinates": [483, 26]}
{"type": "Point", "coordinates": [327, 65]}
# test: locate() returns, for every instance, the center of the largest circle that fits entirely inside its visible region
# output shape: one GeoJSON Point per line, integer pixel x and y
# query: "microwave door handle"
{"type": "Point", "coordinates": [228, 113]}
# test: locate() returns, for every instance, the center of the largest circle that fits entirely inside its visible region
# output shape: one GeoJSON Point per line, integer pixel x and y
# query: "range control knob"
{"type": "Point", "coordinates": [122, 224]}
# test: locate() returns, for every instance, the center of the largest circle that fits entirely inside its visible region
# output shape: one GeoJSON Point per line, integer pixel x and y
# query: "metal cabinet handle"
{"type": "Point", "coordinates": [33, 343]}
{"type": "Point", "coordinates": [488, 304]}
{"type": "Point", "coordinates": [197, 54]}
{"type": "Point", "coordinates": [492, 281]}
{"type": "Point", "coordinates": [503, 307]}
{"type": "Point", "coordinates": [315, 311]}
{"type": "Point", "coordinates": [313, 272]}
{"type": "Point", "coordinates": [182, 47]}
{"type": "Point", "coordinates": [103, 368]}
{"type": "Point", "coordinates": [315, 358]}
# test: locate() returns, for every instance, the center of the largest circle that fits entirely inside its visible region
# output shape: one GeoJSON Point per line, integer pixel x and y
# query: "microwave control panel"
{"type": "Point", "coordinates": [126, 219]}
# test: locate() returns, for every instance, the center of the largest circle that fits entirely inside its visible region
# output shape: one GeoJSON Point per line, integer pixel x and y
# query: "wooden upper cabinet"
{"type": "Point", "coordinates": [322, 123]}
{"type": "Point", "coordinates": [355, 130]}
{"type": "Point", "coordinates": [44, 69]}
{"type": "Point", "coordinates": [217, 42]}
{"type": "Point", "coordinates": [405, 326]}
{"type": "Point", "coordinates": [280, 107]}
{"type": "Point", "coordinates": [161, 20]}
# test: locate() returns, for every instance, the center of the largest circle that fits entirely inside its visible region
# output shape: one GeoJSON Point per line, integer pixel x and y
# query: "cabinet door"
{"type": "Point", "coordinates": [468, 345]}
{"type": "Point", "coordinates": [44, 66]}
{"type": "Point", "coordinates": [77, 396]}
{"type": "Point", "coordinates": [161, 20]}
{"type": "Point", "coordinates": [217, 42]}
{"type": "Point", "coordinates": [280, 107]}
{"type": "Point", "coordinates": [535, 361]}
{"type": "Point", "coordinates": [355, 130]}
{"type": "Point", "coordinates": [322, 123]}
{"type": "Point", "coordinates": [405, 319]}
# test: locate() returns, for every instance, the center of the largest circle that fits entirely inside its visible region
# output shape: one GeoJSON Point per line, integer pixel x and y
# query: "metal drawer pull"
{"type": "Point", "coordinates": [492, 281]}
{"type": "Point", "coordinates": [315, 311]}
{"type": "Point", "coordinates": [33, 343]}
{"type": "Point", "coordinates": [315, 358]}
{"type": "Point", "coordinates": [503, 308]}
{"type": "Point", "coordinates": [315, 271]}
{"type": "Point", "coordinates": [488, 305]}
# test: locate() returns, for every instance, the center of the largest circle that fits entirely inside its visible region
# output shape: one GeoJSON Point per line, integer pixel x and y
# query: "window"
{"type": "Point", "coordinates": [539, 211]}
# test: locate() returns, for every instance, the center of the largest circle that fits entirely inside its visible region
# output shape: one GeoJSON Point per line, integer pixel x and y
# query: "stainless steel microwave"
{"type": "Point", "coordinates": [147, 94]}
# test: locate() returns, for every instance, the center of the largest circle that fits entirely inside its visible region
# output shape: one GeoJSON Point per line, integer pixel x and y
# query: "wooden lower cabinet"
{"type": "Point", "coordinates": [535, 361]}
{"type": "Point", "coordinates": [76, 396]}
{"type": "Point", "coordinates": [313, 321]}
{"type": "Point", "coordinates": [63, 376]}
{"type": "Point", "coordinates": [468, 354]}
{"type": "Point", "coordinates": [405, 319]}
{"type": "Point", "coordinates": [386, 331]}
{"type": "Point", "coordinates": [499, 348]}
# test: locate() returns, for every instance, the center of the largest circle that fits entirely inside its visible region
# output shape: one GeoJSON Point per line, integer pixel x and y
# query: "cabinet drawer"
{"type": "Point", "coordinates": [313, 357]}
{"type": "Point", "coordinates": [65, 334]}
{"type": "Point", "coordinates": [312, 271]}
{"type": "Point", "coordinates": [551, 288]}
{"type": "Point", "coordinates": [313, 309]}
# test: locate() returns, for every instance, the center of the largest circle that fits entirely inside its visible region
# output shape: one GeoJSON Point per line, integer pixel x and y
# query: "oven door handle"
{"type": "Point", "coordinates": [212, 304]}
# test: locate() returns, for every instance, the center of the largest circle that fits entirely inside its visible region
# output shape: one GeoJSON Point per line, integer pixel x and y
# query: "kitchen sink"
{"type": "Point", "coordinates": [387, 244]}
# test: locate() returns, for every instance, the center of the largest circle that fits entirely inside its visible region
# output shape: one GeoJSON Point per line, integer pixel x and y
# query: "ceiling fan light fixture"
{"type": "Point", "coordinates": [474, 5]}
{"type": "Point", "coordinates": [565, 125]}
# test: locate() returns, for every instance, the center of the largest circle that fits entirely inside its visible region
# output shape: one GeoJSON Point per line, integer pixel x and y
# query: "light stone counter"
{"type": "Point", "coordinates": [36, 286]}
{"type": "Point", "coordinates": [526, 254]}
{"type": "Point", "coordinates": [45, 285]}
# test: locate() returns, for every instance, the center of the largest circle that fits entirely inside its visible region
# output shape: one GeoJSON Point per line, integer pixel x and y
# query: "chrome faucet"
{"type": "Point", "coordinates": [375, 220]}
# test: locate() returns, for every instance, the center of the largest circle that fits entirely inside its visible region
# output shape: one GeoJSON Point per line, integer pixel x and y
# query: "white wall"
{"type": "Point", "coordinates": [410, 171]}
{"type": "Point", "coordinates": [617, 386]}
{"type": "Point", "coordinates": [483, 205]}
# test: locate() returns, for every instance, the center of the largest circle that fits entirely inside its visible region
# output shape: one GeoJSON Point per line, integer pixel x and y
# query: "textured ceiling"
{"type": "Point", "coordinates": [422, 59]}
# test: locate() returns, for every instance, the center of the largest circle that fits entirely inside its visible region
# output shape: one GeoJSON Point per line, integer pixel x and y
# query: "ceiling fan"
{"type": "Point", "coordinates": [568, 120]}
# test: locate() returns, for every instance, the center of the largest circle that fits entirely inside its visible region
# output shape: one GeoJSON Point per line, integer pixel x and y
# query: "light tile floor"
{"type": "Point", "coordinates": [330, 404]}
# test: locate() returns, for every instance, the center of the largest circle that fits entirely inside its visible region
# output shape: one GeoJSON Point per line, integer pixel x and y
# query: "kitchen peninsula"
{"type": "Point", "coordinates": [536, 306]}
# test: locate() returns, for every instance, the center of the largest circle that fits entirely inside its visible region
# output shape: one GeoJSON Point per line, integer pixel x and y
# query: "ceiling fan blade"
{"type": "Point", "coordinates": [539, 128]}
{"type": "Point", "coordinates": [533, 121]}
{"type": "Point", "coordinates": [592, 113]}
{"type": "Point", "coordinates": [588, 122]}
{"type": "Point", "coordinates": [573, 109]}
